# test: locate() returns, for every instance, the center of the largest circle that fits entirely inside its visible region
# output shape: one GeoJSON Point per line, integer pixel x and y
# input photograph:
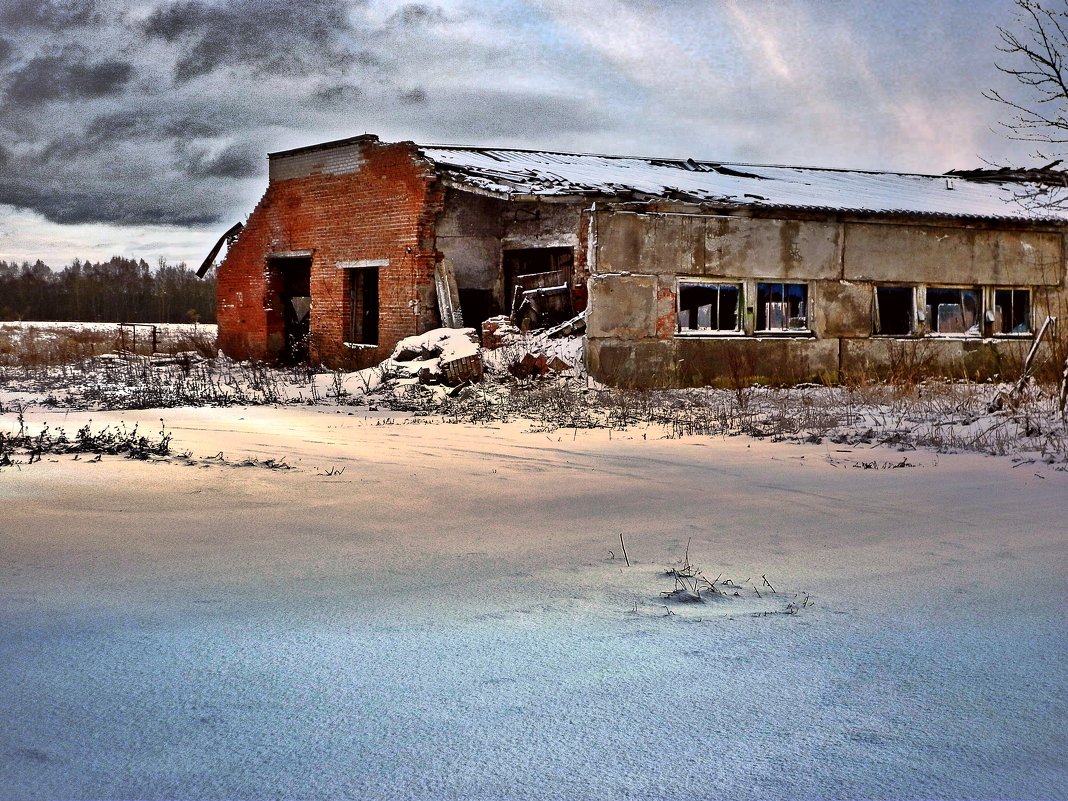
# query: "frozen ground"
{"type": "Point", "coordinates": [432, 611]}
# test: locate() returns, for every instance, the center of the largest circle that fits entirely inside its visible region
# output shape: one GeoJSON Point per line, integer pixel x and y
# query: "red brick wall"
{"type": "Point", "coordinates": [359, 200]}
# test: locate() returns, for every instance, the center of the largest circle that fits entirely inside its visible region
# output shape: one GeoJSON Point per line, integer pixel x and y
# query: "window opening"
{"type": "Point", "coordinates": [782, 307]}
{"type": "Point", "coordinates": [894, 310]}
{"type": "Point", "coordinates": [953, 310]}
{"type": "Point", "coordinates": [1012, 311]}
{"type": "Point", "coordinates": [708, 307]}
{"type": "Point", "coordinates": [362, 327]}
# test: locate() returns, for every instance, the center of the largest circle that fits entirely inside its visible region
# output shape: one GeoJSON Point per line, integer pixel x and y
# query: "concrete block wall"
{"type": "Point", "coordinates": [638, 255]}
{"type": "Point", "coordinates": [349, 202]}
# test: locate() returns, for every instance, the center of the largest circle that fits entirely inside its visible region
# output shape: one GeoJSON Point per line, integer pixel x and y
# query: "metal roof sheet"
{"type": "Point", "coordinates": [509, 173]}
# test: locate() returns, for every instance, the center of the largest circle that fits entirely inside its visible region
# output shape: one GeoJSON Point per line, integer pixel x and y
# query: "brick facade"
{"type": "Point", "coordinates": [355, 202]}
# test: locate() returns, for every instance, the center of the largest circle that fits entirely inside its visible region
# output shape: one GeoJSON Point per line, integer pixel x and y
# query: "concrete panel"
{"type": "Point", "coordinates": [842, 308]}
{"type": "Point", "coordinates": [541, 225]}
{"type": "Point", "coordinates": [785, 249]}
{"type": "Point", "coordinates": [941, 255]}
{"type": "Point", "coordinates": [622, 306]}
{"type": "Point", "coordinates": [768, 360]}
{"type": "Point", "coordinates": [468, 233]}
{"type": "Point", "coordinates": [621, 240]}
{"type": "Point", "coordinates": [1025, 258]}
{"type": "Point", "coordinates": [648, 364]}
{"type": "Point", "coordinates": [677, 245]}
{"type": "Point", "coordinates": [915, 358]}
{"type": "Point", "coordinates": [908, 253]}
{"type": "Point", "coordinates": [476, 261]}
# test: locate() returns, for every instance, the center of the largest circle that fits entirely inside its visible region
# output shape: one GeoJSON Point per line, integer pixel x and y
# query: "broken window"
{"type": "Point", "coordinates": [708, 307]}
{"type": "Point", "coordinates": [782, 307]}
{"type": "Point", "coordinates": [362, 324]}
{"type": "Point", "coordinates": [953, 310]}
{"type": "Point", "coordinates": [1012, 311]}
{"type": "Point", "coordinates": [894, 311]}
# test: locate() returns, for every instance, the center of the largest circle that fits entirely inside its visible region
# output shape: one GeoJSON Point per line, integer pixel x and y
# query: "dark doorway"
{"type": "Point", "coordinates": [534, 268]}
{"type": "Point", "coordinates": [537, 284]}
{"type": "Point", "coordinates": [289, 308]}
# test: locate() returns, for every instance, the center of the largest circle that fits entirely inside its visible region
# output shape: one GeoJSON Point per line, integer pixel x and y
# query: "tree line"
{"type": "Point", "coordinates": [118, 290]}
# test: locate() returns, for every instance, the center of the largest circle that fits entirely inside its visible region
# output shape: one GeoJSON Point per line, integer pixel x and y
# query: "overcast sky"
{"type": "Point", "coordinates": [141, 128]}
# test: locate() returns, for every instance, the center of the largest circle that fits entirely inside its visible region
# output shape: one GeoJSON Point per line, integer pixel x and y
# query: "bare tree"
{"type": "Point", "coordinates": [1035, 51]}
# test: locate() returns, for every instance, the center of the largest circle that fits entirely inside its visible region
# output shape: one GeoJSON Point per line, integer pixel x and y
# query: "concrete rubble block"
{"type": "Point", "coordinates": [442, 355]}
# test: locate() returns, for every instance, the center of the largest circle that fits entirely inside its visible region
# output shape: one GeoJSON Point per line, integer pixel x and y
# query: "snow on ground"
{"type": "Point", "coordinates": [433, 611]}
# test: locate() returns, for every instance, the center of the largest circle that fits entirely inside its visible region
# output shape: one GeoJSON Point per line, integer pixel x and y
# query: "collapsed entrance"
{"type": "Point", "coordinates": [288, 306]}
{"type": "Point", "coordinates": [537, 284]}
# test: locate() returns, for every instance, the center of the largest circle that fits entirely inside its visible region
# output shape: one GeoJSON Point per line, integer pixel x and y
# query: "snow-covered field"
{"type": "Point", "coordinates": [422, 610]}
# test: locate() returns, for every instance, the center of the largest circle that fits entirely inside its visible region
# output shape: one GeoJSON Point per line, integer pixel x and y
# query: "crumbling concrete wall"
{"type": "Point", "coordinates": [473, 230]}
{"type": "Point", "coordinates": [351, 202]}
{"type": "Point", "coordinates": [638, 256]}
{"type": "Point", "coordinates": [468, 235]}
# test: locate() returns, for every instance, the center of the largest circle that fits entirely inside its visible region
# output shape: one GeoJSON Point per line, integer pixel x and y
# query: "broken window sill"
{"type": "Point", "coordinates": [358, 345]}
{"type": "Point", "coordinates": [703, 333]}
{"type": "Point", "coordinates": [781, 333]}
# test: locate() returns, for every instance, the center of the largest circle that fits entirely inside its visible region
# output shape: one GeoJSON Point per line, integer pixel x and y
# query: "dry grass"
{"type": "Point", "coordinates": [30, 346]}
{"type": "Point", "coordinates": [903, 410]}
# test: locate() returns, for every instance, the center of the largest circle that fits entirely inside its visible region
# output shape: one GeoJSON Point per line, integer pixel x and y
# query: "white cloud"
{"type": "Point", "coordinates": [27, 236]}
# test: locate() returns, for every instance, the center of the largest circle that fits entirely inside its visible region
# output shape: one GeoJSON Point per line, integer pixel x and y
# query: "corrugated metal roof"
{"type": "Point", "coordinates": [510, 173]}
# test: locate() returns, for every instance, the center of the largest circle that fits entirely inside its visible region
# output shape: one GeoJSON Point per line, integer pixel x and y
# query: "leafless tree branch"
{"type": "Point", "coordinates": [1036, 56]}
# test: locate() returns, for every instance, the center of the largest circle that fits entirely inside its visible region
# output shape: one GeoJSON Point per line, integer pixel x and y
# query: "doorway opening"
{"type": "Point", "coordinates": [288, 306]}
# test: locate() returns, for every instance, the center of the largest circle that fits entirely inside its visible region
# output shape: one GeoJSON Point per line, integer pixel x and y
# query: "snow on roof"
{"type": "Point", "coordinates": [517, 173]}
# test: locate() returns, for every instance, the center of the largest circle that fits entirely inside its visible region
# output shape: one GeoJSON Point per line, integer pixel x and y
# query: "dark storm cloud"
{"type": "Point", "coordinates": [414, 14]}
{"type": "Point", "coordinates": [265, 36]}
{"type": "Point", "coordinates": [66, 76]}
{"type": "Point", "coordinates": [150, 122]}
{"type": "Point", "coordinates": [481, 117]}
{"type": "Point", "coordinates": [337, 95]}
{"type": "Point", "coordinates": [236, 161]}
{"type": "Point", "coordinates": [417, 95]}
{"type": "Point", "coordinates": [56, 15]}
{"type": "Point", "coordinates": [7, 50]}
{"type": "Point", "coordinates": [111, 203]}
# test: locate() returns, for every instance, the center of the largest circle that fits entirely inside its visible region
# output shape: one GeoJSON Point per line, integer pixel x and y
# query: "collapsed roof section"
{"type": "Point", "coordinates": [529, 174]}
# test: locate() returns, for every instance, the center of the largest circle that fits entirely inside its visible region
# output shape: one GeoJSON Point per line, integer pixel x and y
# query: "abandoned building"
{"type": "Point", "coordinates": [687, 271]}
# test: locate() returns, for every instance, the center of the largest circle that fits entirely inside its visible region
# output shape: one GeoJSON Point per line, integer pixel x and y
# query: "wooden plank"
{"type": "Point", "coordinates": [448, 296]}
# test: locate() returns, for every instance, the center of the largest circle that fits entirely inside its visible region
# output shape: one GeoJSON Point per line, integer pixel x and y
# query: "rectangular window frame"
{"type": "Point", "coordinates": [930, 315]}
{"type": "Point", "coordinates": [715, 312]}
{"type": "Point", "coordinates": [878, 322]}
{"type": "Point", "coordinates": [763, 310]}
{"type": "Point", "coordinates": [1028, 315]}
{"type": "Point", "coordinates": [362, 324]}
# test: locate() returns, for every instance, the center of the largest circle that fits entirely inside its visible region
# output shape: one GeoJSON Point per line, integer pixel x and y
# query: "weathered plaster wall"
{"type": "Point", "coordinates": [941, 255]}
{"type": "Point", "coordinates": [357, 201]}
{"type": "Point", "coordinates": [473, 230]}
{"type": "Point", "coordinates": [469, 232]}
{"type": "Point", "coordinates": [638, 257]}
